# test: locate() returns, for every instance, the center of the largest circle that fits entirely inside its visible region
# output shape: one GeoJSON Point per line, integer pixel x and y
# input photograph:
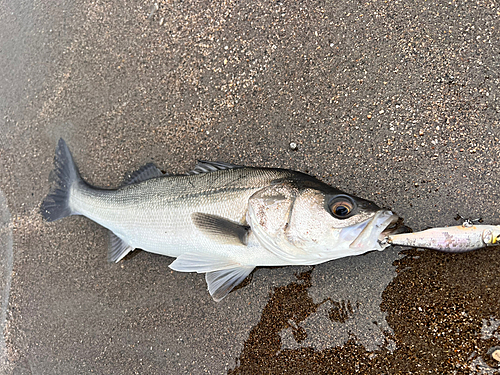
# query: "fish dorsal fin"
{"type": "Point", "coordinates": [118, 248]}
{"type": "Point", "coordinates": [142, 174]}
{"type": "Point", "coordinates": [204, 166]}
{"type": "Point", "coordinates": [222, 274]}
{"type": "Point", "coordinates": [220, 229]}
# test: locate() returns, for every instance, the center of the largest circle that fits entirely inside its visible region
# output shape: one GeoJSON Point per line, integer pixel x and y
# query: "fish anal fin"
{"type": "Point", "coordinates": [220, 229]}
{"type": "Point", "coordinates": [118, 248]}
{"type": "Point", "coordinates": [147, 172]}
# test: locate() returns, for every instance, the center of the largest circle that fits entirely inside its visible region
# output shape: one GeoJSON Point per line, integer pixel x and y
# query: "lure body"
{"type": "Point", "coordinates": [457, 239]}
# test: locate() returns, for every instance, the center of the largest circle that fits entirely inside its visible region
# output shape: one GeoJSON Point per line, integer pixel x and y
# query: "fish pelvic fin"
{"type": "Point", "coordinates": [222, 275]}
{"type": "Point", "coordinates": [55, 206]}
{"type": "Point", "coordinates": [118, 248]}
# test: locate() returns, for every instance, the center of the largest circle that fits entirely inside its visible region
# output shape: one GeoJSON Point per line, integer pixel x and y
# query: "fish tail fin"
{"type": "Point", "coordinates": [56, 206]}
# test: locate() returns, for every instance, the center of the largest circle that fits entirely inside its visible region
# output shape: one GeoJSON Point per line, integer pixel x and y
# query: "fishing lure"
{"type": "Point", "coordinates": [457, 239]}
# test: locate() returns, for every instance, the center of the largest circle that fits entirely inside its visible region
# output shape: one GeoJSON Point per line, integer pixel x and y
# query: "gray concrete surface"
{"type": "Point", "coordinates": [393, 101]}
{"type": "Point", "coordinates": [6, 255]}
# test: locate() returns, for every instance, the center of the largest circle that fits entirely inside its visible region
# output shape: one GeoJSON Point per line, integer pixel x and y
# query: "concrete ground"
{"type": "Point", "coordinates": [393, 101]}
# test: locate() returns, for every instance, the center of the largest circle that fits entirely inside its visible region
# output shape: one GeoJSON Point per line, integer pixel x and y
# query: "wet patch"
{"type": "Point", "coordinates": [444, 323]}
{"type": "Point", "coordinates": [308, 325]}
{"type": "Point", "coordinates": [288, 308]}
{"type": "Point", "coordinates": [348, 294]}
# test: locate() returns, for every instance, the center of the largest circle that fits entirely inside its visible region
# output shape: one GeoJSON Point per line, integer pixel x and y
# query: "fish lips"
{"type": "Point", "coordinates": [383, 223]}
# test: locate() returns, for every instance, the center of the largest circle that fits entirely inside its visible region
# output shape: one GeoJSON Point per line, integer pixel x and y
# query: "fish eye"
{"type": "Point", "coordinates": [341, 207]}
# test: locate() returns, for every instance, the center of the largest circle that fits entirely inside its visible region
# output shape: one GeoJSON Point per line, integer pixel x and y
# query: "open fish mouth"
{"type": "Point", "coordinates": [395, 227]}
{"type": "Point", "coordinates": [382, 224]}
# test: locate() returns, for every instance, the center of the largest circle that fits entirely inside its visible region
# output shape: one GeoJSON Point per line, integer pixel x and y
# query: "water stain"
{"type": "Point", "coordinates": [437, 307]}
{"type": "Point", "coordinates": [341, 311]}
{"type": "Point", "coordinates": [288, 307]}
{"type": "Point", "coordinates": [441, 307]}
{"type": "Point", "coordinates": [290, 303]}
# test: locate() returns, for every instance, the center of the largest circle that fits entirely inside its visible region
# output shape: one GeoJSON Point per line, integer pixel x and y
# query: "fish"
{"type": "Point", "coordinates": [222, 219]}
{"type": "Point", "coordinates": [454, 239]}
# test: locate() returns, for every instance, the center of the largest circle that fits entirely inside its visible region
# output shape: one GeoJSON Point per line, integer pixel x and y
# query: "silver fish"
{"type": "Point", "coordinates": [221, 219]}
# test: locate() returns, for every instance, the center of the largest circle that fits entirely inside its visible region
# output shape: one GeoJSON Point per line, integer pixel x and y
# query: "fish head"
{"type": "Point", "coordinates": [309, 222]}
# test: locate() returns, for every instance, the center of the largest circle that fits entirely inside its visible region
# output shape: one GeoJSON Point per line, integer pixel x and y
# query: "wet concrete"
{"type": "Point", "coordinates": [437, 327]}
{"type": "Point", "coordinates": [395, 102]}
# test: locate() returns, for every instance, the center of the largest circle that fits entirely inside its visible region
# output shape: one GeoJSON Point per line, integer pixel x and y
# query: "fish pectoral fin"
{"type": "Point", "coordinates": [222, 274]}
{"type": "Point", "coordinates": [117, 248]}
{"type": "Point", "coordinates": [221, 282]}
{"type": "Point", "coordinates": [220, 229]}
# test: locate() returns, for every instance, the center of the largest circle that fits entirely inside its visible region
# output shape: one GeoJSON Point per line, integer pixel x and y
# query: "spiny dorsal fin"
{"type": "Point", "coordinates": [142, 174]}
{"type": "Point", "coordinates": [220, 229]}
{"type": "Point", "coordinates": [204, 166]}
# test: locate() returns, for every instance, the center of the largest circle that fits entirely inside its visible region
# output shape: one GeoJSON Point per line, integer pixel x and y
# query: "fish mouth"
{"type": "Point", "coordinates": [382, 224]}
{"type": "Point", "coordinates": [396, 227]}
